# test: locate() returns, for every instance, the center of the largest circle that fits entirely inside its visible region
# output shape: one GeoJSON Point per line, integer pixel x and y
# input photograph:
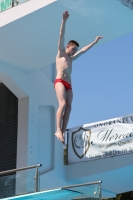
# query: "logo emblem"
{"type": "Point", "coordinates": [81, 141]}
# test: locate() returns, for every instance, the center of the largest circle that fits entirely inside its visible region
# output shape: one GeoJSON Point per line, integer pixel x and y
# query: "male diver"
{"type": "Point", "coordinates": [62, 83]}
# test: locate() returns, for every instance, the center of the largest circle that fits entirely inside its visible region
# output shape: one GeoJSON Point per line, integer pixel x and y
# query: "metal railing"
{"type": "Point", "coordinates": [20, 179]}
{"type": "Point", "coordinates": [82, 189]}
{"type": "Point", "coordinates": [22, 169]}
{"type": "Point", "coordinates": [92, 189]}
{"type": "Point", "coordinates": [87, 184]}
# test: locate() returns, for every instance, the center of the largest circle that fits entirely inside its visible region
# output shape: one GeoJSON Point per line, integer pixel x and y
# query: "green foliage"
{"type": "Point", "coordinates": [123, 196]}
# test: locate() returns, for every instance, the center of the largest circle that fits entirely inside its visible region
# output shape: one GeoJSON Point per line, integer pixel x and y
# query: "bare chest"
{"type": "Point", "coordinates": [64, 62]}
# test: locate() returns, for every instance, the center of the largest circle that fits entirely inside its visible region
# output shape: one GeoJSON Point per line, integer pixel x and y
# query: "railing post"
{"type": "Point", "coordinates": [100, 188]}
{"type": "Point", "coordinates": [36, 177]}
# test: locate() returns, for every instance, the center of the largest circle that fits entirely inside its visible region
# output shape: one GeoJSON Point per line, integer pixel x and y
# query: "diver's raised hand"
{"type": "Point", "coordinates": [65, 15]}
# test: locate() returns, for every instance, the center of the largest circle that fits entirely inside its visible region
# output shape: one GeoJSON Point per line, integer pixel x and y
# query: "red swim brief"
{"type": "Point", "coordinates": [66, 84]}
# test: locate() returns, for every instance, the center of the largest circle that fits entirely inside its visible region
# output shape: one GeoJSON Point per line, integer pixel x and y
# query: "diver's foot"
{"type": "Point", "coordinates": [59, 135]}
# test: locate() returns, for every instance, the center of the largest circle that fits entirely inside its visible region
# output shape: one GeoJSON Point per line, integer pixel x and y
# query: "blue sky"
{"type": "Point", "coordinates": [102, 81]}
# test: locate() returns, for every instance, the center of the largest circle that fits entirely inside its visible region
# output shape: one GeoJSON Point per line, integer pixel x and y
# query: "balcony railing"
{"type": "Point", "coordinates": [6, 4]}
{"type": "Point", "coordinates": [19, 181]}
{"type": "Point", "coordinates": [86, 191]}
{"type": "Point", "coordinates": [23, 183]}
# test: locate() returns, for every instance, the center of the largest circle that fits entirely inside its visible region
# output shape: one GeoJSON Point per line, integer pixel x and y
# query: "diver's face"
{"type": "Point", "coordinates": [72, 49]}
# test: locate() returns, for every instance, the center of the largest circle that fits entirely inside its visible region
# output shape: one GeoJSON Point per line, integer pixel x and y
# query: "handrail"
{"type": "Point", "coordinates": [25, 168]}
{"type": "Point", "coordinates": [83, 184]}
{"type": "Point", "coordinates": [77, 185]}
{"type": "Point", "coordinates": [19, 169]}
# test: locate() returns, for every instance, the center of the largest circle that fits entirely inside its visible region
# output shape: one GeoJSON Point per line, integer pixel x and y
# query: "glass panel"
{"type": "Point", "coordinates": [88, 192]}
{"type": "Point", "coordinates": [6, 4]}
{"type": "Point", "coordinates": [21, 182]}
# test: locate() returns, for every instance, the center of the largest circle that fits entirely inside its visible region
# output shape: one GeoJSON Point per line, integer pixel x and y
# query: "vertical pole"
{"type": "Point", "coordinates": [100, 194]}
{"type": "Point", "coordinates": [36, 178]}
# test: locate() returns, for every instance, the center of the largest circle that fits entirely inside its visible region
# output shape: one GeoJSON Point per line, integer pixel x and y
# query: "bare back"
{"type": "Point", "coordinates": [63, 66]}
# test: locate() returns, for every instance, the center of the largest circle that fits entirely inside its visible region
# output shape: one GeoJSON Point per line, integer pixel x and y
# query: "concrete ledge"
{"type": "Point", "coordinates": [21, 10]}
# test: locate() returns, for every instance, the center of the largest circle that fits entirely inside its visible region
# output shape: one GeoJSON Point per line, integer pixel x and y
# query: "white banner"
{"type": "Point", "coordinates": [108, 138]}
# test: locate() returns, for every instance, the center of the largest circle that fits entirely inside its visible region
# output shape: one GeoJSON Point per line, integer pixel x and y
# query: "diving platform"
{"type": "Point", "coordinates": [63, 194]}
{"type": "Point", "coordinates": [88, 191]}
{"type": "Point", "coordinates": [34, 28]}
